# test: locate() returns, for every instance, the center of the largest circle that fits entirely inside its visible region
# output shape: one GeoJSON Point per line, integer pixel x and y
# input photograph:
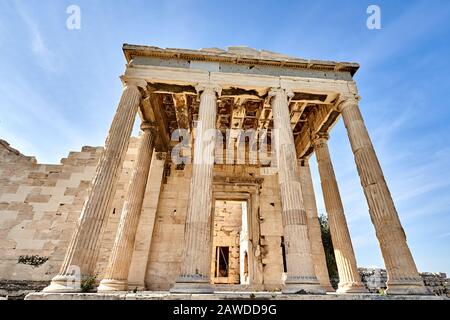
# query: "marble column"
{"type": "Point", "coordinates": [82, 252]}
{"type": "Point", "coordinates": [349, 278]}
{"type": "Point", "coordinates": [301, 275]}
{"type": "Point", "coordinates": [146, 225]}
{"type": "Point", "coordinates": [116, 275]}
{"type": "Point", "coordinates": [403, 277]}
{"type": "Point", "coordinates": [314, 232]}
{"type": "Point", "coordinates": [196, 263]}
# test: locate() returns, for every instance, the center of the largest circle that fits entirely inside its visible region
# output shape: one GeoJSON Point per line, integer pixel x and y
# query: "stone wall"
{"type": "Point", "coordinates": [375, 280]}
{"type": "Point", "coordinates": [18, 289]}
{"type": "Point", "coordinates": [39, 205]}
{"type": "Point", "coordinates": [168, 235]}
{"type": "Point", "coordinates": [164, 258]}
{"type": "Point", "coordinates": [271, 232]}
{"type": "Point", "coordinates": [438, 282]}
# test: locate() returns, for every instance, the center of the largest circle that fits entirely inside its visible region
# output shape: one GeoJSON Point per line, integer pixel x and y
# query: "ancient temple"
{"type": "Point", "coordinates": [215, 193]}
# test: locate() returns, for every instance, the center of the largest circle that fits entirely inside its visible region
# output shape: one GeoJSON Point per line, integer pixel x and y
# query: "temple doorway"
{"type": "Point", "coordinates": [230, 241]}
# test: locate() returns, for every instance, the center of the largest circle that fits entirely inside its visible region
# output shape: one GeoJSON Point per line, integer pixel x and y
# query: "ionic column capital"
{"type": "Point", "coordinates": [273, 92]}
{"type": "Point", "coordinates": [320, 139]}
{"type": "Point", "coordinates": [346, 101]}
{"type": "Point", "coordinates": [209, 88]}
{"type": "Point", "coordinates": [133, 82]}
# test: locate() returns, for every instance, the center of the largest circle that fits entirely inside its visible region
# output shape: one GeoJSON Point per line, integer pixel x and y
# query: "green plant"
{"type": "Point", "coordinates": [382, 292]}
{"type": "Point", "coordinates": [328, 248]}
{"type": "Point", "coordinates": [87, 284]}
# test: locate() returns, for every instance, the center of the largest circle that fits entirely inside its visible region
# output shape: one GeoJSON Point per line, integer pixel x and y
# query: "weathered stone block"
{"type": "Point", "coordinates": [41, 198]}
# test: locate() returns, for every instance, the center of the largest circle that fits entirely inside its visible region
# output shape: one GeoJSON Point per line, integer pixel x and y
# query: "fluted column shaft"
{"type": "Point", "coordinates": [403, 277]}
{"type": "Point", "coordinates": [300, 269]}
{"type": "Point", "coordinates": [315, 235]}
{"type": "Point", "coordinates": [196, 263]}
{"type": "Point", "coordinates": [349, 278]}
{"type": "Point", "coordinates": [116, 275]}
{"type": "Point", "coordinates": [84, 245]}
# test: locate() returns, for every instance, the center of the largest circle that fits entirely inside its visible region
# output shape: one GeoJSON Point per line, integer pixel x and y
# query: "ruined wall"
{"type": "Point", "coordinates": [375, 281]}
{"type": "Point", "coordinates": [39, 205]}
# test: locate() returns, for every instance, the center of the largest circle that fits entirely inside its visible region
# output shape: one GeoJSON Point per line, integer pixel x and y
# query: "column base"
{"type": "Point", "coordinates": [63, 284]}
{"type": "Point", "coordinates": [302, 285]}
{"type": "Point", "coordinates": [136, 286]}
{"type": "Point", "coordinates": [111, 285]}
{"type": "Point", "coordinates": [407, 288]}
{"type": "Point", "coordinates": [328, 288]}
{"type": "Point", "coordinates": [194, 284]}
{"type": "Point", "coordinates": [352, 287]}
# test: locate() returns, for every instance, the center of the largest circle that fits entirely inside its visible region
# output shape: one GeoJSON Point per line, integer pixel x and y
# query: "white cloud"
{"type": "Point", "coordinates": [46, 58]}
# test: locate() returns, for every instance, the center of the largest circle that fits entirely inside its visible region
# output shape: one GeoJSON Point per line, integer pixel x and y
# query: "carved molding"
{"type": "Point", "coordinates": [209, 88]}
{"type": "Point", "coordinates": [238, 180]}
{"type": "Point", "coordinates": [347, 100]}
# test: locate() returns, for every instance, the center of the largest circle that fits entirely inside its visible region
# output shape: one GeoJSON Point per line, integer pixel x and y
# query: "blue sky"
{"type": "Point", "coordinates": [59, 88]}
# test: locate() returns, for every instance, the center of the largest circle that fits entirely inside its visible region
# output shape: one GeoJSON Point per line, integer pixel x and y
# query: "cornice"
{"type": "Point", "coordinates": [131, 51]}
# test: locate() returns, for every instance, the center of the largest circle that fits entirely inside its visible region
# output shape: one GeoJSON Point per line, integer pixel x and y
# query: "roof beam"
{"type": "Point", "coordinates": [317, 121]}
{"type": "Point", "coordinates": [152, 112]}
{"type": "Point", "coordinates": [181, 111]}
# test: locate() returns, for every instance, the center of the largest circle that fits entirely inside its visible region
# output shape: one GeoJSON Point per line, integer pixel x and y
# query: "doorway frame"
{"type": "Point", "coordinates": [245, 192]}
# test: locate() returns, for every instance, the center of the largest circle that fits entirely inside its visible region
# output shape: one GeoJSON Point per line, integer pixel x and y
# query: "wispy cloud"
{"type": "Point", "coordinates": [46, 58]}
{"type": "Point", "coordinates": [403, 32]}
{"type": "Point", "coordinates": [443, 235]}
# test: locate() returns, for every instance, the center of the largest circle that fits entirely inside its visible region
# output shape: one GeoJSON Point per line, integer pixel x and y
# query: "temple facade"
{"type": "Point", "coordinates": [216, 191]}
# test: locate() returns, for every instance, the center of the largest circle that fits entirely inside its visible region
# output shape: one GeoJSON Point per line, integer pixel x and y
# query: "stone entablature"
{"type": "Point", "coordinates": [256, 61]}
